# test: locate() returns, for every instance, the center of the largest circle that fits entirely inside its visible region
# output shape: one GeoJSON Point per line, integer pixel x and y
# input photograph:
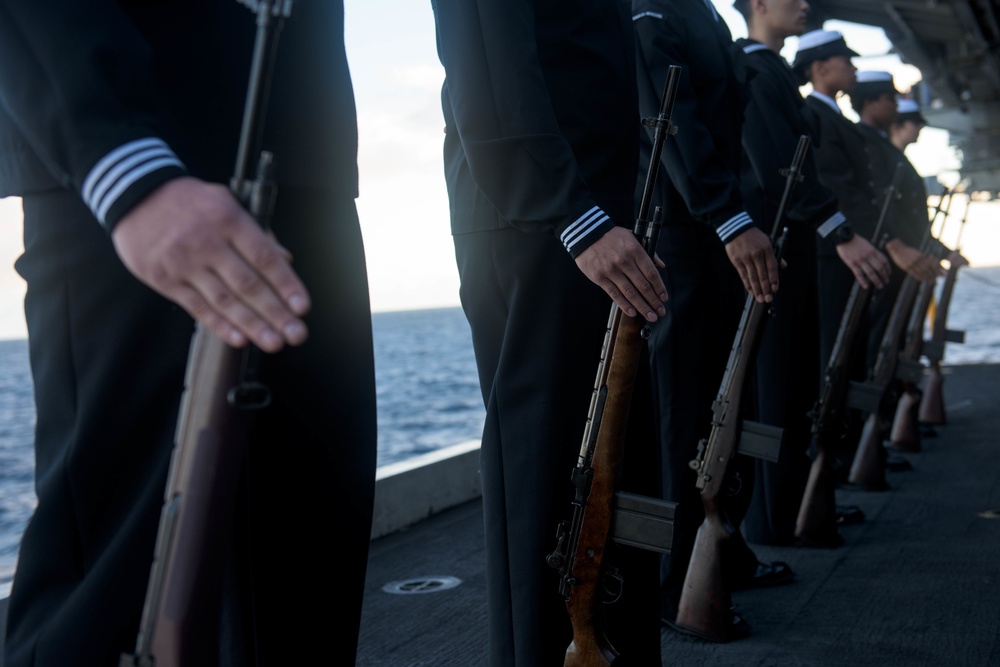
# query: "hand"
{"type": "Point", "coordinates": [193, 243]}
{"type": "Point", "coordinates": [869, 266]}
{"type": "Point", "coordinates": [924, 268]}
{"type": "Point", "coordinates": [618, 263]}
{"type": "Point", "coordinates": [753, 256]}
{"type": "Point", "coordinates": [956, 259]}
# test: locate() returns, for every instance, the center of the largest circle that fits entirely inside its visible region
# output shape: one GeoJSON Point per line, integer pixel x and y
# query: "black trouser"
{"type": "Point", "coordinates": [108, 359]}
{"type": "Point", "coordinates": [787, 382]}
{"type": "Point", "coordinates": [688, 354]}
{"type": "Point", "coordinates": [537, 328]}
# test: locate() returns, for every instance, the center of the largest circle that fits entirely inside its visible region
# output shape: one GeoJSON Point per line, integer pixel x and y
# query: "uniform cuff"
{"type": "Point", "coordinates": [734, 226]}
{"type": "Point", "coordinates": [124, 176]}
{"type": "Point", "coordinates": [834, 221]}
{"type": "Point", "coordinates": [585, 230]}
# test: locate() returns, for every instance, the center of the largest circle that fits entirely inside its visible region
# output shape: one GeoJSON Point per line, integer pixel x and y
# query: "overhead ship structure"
{"type": "Point", "coordinates": [956, 46]}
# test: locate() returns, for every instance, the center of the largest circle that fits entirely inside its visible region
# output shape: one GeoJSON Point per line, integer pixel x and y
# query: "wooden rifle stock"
{"type": "Point", "coordinates": [816, 522]}
{"type": "Point", "coordinates": [868, 467]}
{"type": "Point", "coordinates": [705, 602]}
{"type": "Point", "coordinates": [905, 434]}
{"type": "Point", "coordinates": [180, 620]}
{"type": "Point", "coordinates": [931, 411]}
{"type": "Point", "coordinates": [582, 542]}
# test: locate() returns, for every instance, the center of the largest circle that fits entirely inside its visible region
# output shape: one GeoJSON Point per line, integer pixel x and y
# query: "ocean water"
{"type": "Point", "coordinates": [427, 394]}
{"type": "Point", "coordinates": [427, 390]}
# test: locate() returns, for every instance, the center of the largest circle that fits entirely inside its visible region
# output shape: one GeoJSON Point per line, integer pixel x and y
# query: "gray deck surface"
{"type": "Point", "coordinates": [918, 584]}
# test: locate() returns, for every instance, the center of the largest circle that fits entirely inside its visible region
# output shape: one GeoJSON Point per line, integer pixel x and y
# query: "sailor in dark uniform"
{"type": "Point", "coordinates": [540, 153]}
{"type": "Point", "coordinates": [874, 98]}
{"type": "Point", "coordinates": [119, 124]}
{"type": "Point", "coordinates": [846, 167]}
{"type": "Point", "coordinates": [787, 383]}
{"type": "Point", "coordinates": [912, 207]}
{"type": "Point", "coordinates": [707, 232]}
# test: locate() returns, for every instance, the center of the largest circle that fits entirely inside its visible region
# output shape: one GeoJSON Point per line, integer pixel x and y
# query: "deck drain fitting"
{"type": "Point", "coordinates": [421, 585]}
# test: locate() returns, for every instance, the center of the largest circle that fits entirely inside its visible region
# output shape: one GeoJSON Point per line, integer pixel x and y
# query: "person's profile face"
{"type": "Point", "coordinates": [884, 108]}
{"type": "Point", "coordinates": [908, 131]}
{"type": "Point", "coordinates": [841, 72]}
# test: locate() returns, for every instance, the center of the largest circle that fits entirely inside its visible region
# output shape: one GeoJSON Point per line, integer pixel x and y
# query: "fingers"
{"type": "Point", "coordinates": [866, 262]}
{"type": "Point", "coordinates": [753, 257]}
{"type": "Point", "coordinates": [263, 281]}
{"type": "Point", "coordinates": [194, 244]}
{"type": "Point", "coordinates": [620, 266]}
{"type": "Point", "coordinates": [252, 298]}
{"type": "Point", "coordinates": [883, 266]}
{"type": "Point", "coordinates": [926, 269]}
{"type": "Point", "coordinates": [861, 276]}
{"type": "Point", "coordinates": [633, 287]}
{"type": "Point", "coordinates": [875, 268]}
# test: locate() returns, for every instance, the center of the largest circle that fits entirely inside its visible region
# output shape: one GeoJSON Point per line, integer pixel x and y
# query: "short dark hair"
{"type": "Point", "coordinates": [743, 7]}
{"type": "Point", "coordinates": [861, 94]}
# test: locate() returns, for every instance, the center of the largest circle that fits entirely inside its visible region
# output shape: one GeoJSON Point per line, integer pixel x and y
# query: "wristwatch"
{"type": "Point", "coordinates": [843, 233]}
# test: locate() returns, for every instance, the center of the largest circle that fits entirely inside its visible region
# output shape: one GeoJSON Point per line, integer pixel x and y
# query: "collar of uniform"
{"type": "Point", "coordinates": [827, 100]}
{"type": "Point", "coordinates": [752, 46]}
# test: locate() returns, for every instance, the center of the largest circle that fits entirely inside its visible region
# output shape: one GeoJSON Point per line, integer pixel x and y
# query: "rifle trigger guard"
{"type": "Point", "coordinates": [734, 483]}
{"type": "Point", "coordinates": [612, 595]}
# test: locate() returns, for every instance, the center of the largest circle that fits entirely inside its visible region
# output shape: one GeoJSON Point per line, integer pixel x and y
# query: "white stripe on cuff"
{"type": "Point", "coordinates": [122, 167]}
{"type": "Point", "coordinates": [734, 223]}
{"type": "Point", "coordinates": [130, 178]}
{"type": "Point", "coordinates": [582, 226]}
{"type": "Point", "coordinates": [655, 15]}
{"type": "Point", "coordinates": [831, 224]}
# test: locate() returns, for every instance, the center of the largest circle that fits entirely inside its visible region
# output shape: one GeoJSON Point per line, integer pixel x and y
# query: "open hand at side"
{"type": "Point", "coordinates": [618, 263]}
{"type": "Point", "coordinates": [192, 242]}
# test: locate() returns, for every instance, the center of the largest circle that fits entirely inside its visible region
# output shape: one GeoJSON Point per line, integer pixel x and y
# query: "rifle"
{"type": "Point", "coordinates": [817, 519]}
{"type": "Point", "coordinates": [931, 410]}
{"type": "Point", "coordinates": [881, 392]}
{"type": "Point", "coordinates": [905, 436]}
{"type": "Point", "coordinates": [582, 541]}
{"type": "Point", "coordinates": [705, 598]}
{"type": "Point", "coordinates": [180, 619]}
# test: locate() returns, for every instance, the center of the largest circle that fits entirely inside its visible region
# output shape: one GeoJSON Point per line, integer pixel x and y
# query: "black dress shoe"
{"type": "Point", "coordinates": [776, 573]}
{"type": "Point", "coordinates": [848, 514]}
{"type": "Point", "coordinates": [738, 629]}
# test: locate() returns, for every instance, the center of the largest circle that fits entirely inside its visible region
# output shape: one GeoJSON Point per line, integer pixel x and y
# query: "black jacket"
{"type": "Point", "coordinates": [907, 218]}
{"type": "Point", "coordinates": [699, 181]}
{"type": "Point", "coordinates": [540, 116]}
{"type": "Point", "coordinates": [846, 167]}
{"type": "Point", "coordinates": [775, 119]}
{"type": "Point", "coordinates": [84, 86]}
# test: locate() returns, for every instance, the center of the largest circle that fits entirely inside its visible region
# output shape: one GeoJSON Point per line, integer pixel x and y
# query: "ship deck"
{"type": "Point", "coordinates": [917, 584]}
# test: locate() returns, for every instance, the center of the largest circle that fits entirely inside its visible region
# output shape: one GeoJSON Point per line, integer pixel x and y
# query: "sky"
{"type": "Point", "coordinates": [403, 205]}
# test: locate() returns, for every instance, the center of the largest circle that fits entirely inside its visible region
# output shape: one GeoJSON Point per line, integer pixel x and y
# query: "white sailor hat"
{"type": "Point", "coordinates": [873, 83]}
{"type": "Point", "coordinates": [820, 45]}
{"type": "Point", "coordinates": [907, 109]}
